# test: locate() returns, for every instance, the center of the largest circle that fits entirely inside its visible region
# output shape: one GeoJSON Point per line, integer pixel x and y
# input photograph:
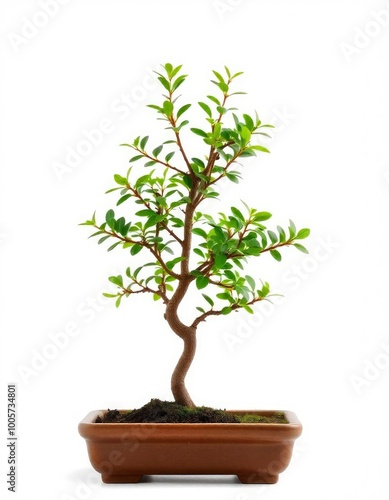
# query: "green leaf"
{"type": "Point", "coordinates": [237, 263]}
{"type": "Point", "coordinates": [232, 177]}
{"type": "Point", "coordinates": [173, 262]}
{"type": "Point", "coordinates": [153, 106]}
{"type": "Point", "coordinates": [260, 148]}
{"type": "Point", "coordinates": [168, 250]}
{"type": "Point", "coordinates": [178, 82]}
{"type": "Point", "coordinates": [225, 296]}
{"type": "Point", "coordinates": [214, 99]}
{"type": "Point", "coordinates": [273, 237]}
{"type": "Point", "coordinates": [218, 76]}
{"type": "Point", "coordinates": [136, 249]}
{"type": "Point", "coordinates": [156, 151]}
{"type": "Point", "coordinates": [145, 213]}
{"type": "Point", "coordinates": [250, 281]}
{"type": "Point", "coordinates": [95, 234]}
{"type": "Point", "coordinates": [177, 222]}
{"type": "Point", "coordinates": [169, 156]}
{"type": "Point", "coordinates": [182, 110]}
{"type": "Point", "coordinates": [199, 132]}
{"type": "Point", "coordinates": [222, 110]}
{"type": "Point", "coordinates": [101, 240]}
{"type": "Point", "coordinates": [248, 309]}
{"type": "Point", "coordinates": [114, 245]}
{"type": "Point", "coordinates": [234, 223]}
{"type": "Point", "coordinates": [200, 232]}
{"type": "Point", "coordinates": [303, 233]}
{"type": "Point", "coordinates": [300, 247]}
{"type": "Point", "coordinates": [164, 82]}
{"type": "Point", "coordinates": [175, 71]}
{"type": "Point", "coordinates": [220, 260]}
{"type": "Point", "coordinates": [123, 199]}
{"type": "Point", "coordinates": [292, 229]}
{"type": "Point", "coordinates": [238, 213]}
{"type": "Point", "coordinates": [199, 252]}
{"type": "Point", "coordinates": [136, 158]}
{"type": "Point", "coordinates": [230, 275]}
{"type": "Point", "coordinates": [143, 143]}
{"type": "Point", "coordinates": [116, 280]}
{"type": "Point", "coordinates": [245, 133]}
{"type": "Point", "coordinates": [169, 68]}
{"type": "Point", "coordinates": [168, 108]}
{"type": "Point", "coordinates": [110, 215]}
{"type": "Point", "coordinates": [226, 310]}
{"type": "Point", "coordinates": [249, 122]}
{"type": "Point", "coordinates": [217, 130]}
{"type": "Point", "coordinates": [188, 180]}
{"type": "Point", "coordinates": [209, 300]}
{"type": "Point", "coordinates": [223, 87]}
{"type": "Point", "coordinates": [282, 234]}
{"type": "Point", "coordinates": [220, 235]}
{"type": "Point", "coordinates": [206, 108]}
{"type": "Point", "coordinates": [261, 216]}
{"type": "Point", "coordinates": [276, 254]}
{"type": "Point", "coordinates": [118, 301]}
{"type": "Point", "coordinates": [120, 180]}
{"type": "Point", "coordinates": [109, 295]}
{"type": "Point", "coordinates": [202, 282]}
{"type": "Point", "coordinates": [198, 162]}
{"type": "Point", "coordinates": [120, 225]}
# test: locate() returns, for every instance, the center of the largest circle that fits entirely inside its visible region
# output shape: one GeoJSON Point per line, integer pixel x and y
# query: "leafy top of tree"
{"type": "Point", "coordinates": [163, 192]}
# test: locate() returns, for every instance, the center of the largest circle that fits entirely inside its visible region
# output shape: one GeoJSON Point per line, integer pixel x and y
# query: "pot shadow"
{"type": "Point", "coordinates": [81, 475]}
{"type": "Point", "coordinates": [190, 479]}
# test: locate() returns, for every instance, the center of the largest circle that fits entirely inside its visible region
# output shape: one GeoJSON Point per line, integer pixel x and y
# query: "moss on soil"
{"type": "Point", "coordinates": [157, 411]}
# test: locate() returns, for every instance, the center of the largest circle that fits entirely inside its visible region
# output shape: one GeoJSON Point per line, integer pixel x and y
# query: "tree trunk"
{"type": "Point", "coordinates": [180, 393]}
{"type": "Point", "coordinates": [188, 335]}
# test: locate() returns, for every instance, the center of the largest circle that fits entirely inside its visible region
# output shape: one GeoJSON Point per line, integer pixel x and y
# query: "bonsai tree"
{"type": "Point", "coordinates": [181, 247]}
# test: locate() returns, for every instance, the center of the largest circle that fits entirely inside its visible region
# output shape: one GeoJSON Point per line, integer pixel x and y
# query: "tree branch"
{"type": "Point", "coordinates": [145, 289]}
{"type": "Point", "coordinates": [147, 205]}
{"type": "Point", "coordinates": [278, 245]}
{"type": "Point", "coordinates": [212, 312]}
{"type": "Point", "coordinates": [144, 244]}
{"type": "Point", "coordinates": [161, 162]}
{"type": "Point", "coordinates": [180, 147]}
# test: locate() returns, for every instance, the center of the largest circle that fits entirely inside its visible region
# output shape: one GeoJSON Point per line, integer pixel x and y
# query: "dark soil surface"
{"type": "Point", "coordinates": [157, 411]}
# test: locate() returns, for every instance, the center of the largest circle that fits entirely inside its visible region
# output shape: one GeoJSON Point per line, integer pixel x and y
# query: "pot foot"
{"type": "Point", "coordinates": [111, 478]}
{"type": "Point", "coordinates": [258, 478]}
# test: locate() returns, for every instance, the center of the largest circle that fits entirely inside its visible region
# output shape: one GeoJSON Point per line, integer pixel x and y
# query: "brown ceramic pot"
{"type": "Point", "coordinates": [255, 452]}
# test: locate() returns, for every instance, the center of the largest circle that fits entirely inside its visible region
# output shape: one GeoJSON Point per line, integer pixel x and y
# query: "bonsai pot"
{"type": "Point", "coordinates": [256, 452]}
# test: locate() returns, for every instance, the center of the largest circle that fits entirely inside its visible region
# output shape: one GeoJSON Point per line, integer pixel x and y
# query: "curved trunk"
{"type": "Point", "coordinates": [180, 393]}
{"type": "Point", "coordinates": [188, 335]}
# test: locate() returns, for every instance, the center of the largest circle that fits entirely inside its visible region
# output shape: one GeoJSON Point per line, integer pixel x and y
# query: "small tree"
{"type": "Point", "coordinates": [169, 196]}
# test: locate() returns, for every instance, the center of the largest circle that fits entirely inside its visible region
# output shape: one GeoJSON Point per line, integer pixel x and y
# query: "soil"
{"type": "Point", "coordinates": [157, 411]}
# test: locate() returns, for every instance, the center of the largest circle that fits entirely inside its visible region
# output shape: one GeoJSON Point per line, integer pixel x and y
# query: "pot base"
{"type": "Point", "coordinates": [254, 478]}
{"type": "Point", "coordinates": [109, 478]}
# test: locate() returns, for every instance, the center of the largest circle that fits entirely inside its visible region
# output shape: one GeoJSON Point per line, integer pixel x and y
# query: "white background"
{"type": "Point", "coordinates": [309, 70]}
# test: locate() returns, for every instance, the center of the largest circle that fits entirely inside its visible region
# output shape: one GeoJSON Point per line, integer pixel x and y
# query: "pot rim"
{"type": "Point", "coordinates": [89, 429]}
